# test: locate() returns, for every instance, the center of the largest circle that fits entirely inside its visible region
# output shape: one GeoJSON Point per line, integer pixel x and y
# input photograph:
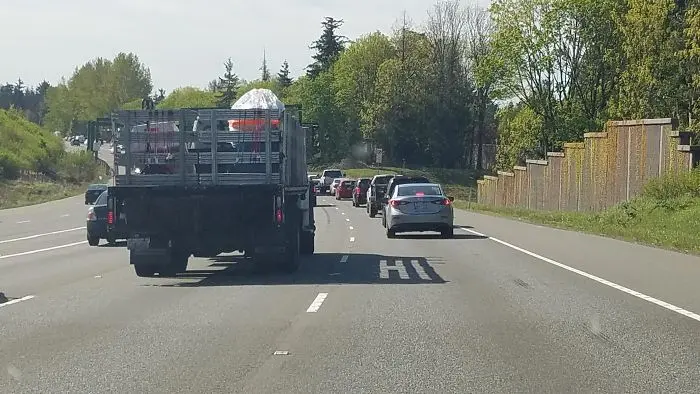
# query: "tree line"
{"type": "Point", "coordinates": [427, 95]}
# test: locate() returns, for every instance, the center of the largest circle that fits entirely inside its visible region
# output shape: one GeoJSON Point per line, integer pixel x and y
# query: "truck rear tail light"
{"type": "Point", "coordinates": [110, 217]}
{"type": "Point", "coordinates": [279, 216]}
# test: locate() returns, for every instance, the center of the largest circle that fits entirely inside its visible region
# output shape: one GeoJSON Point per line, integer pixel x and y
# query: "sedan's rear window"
{"type": "Point", "coordinates": [348, 183]}
{"type": "Point", "coordinates": [419, 190]}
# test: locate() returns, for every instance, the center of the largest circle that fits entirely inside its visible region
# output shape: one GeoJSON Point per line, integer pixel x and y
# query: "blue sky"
{"type": "Point", "coordinates": [182, 42]}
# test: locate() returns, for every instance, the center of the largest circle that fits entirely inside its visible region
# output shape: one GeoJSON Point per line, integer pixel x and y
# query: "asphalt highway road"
{"type": "Point", "coordinates": [503, 307]}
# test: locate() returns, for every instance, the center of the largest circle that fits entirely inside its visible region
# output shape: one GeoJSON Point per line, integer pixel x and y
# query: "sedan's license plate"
{"type": "Point", "coordinates": [138, 243]}
{"type": "Point", "coordinates": [420, 206]}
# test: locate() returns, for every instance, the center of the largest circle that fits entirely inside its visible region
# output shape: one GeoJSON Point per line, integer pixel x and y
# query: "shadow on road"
{"type": "Point", "coordinates": [324, 205]}
{"type": "Point", "coordinates": [321, 268]}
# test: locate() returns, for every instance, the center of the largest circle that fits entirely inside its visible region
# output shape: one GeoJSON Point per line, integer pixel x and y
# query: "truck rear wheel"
{"type": "Point", "coordinates": [308, 240]}
{"type": "Point", "coordinates": [291, 259]}
{"type": "Point", "coordinates": [144, 270]}
{"type": "Point", "coordinates": [175, 263]}
{"type": "Point", "coordinates": [143, 266]}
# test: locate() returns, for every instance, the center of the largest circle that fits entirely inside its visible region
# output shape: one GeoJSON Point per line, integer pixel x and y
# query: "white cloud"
{"type": "Point", "coordinates": [183, 42]}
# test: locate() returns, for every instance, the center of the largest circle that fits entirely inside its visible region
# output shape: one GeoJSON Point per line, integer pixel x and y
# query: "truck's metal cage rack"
{"type": "Point", "coordinates": [263, 154]}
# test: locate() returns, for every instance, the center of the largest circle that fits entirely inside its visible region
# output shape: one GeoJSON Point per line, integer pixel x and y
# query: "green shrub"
{"type": "Point", "coordinates": [674, 186]}
{"type": "Point", "coordinates": [25, 145]}
{"type": "Point", "coordinates": [78, 167]}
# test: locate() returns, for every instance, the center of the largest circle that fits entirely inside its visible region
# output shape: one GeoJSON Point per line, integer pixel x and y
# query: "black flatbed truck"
{"type": "Point", "coordinates": [203, 202]}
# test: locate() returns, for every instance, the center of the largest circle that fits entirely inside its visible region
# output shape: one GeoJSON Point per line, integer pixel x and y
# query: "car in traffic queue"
{"type": "Point", "coordinates": [334, 185]}
{"type": "Point", "coordinates": [359, 194]}
{"type": "Point", "coordinates": [101, 223]}
{"type": "Point", "coordinates": [419, 207]}
{"type": "Point", "coordinates": [344, 189]}
{"type": "Point", "coordinates": [93, 192]}
{"type": "Point", "coordinates": [395, 181]}
{"type": "Point", "coordinates": [327, 178]}
{"type": "Point", "coordinates": [375, 193]}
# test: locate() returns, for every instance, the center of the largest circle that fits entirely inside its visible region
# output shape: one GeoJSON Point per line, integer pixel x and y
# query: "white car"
{"type": "Point", "coordinates": [334, 185]}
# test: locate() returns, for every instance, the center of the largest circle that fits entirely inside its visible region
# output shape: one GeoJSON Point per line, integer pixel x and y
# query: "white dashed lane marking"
{"type": "Point", "coordinates": [352, 239]}
{"type": "Point", "coordinates": [23, 222]}
{"type": "Point", "coordinates": [316, 305]}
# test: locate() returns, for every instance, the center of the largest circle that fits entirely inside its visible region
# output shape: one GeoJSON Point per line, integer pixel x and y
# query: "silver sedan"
{"type": "Point", "coordinates": [419, 207]}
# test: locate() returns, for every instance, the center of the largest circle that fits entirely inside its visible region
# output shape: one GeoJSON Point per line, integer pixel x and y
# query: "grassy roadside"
{"type": "Point", "coordinates": [15, 194]}
{"type": "Point", "coordinates": [666, 215]}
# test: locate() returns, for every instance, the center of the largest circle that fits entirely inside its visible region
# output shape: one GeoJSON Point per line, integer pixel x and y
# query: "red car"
{"type": "Point", "coordinates": [344, 190]}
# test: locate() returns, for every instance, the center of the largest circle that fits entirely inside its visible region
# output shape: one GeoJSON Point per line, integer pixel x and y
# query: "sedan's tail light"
{"type": "Point", "coordinates": [446, 201]}
{"type": "Point", "coordinates": [396, 203]}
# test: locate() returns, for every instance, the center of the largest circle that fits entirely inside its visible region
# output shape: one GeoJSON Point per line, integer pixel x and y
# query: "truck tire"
{"type": "Point", "coordinates": [308, 241]}
{"type": "Point", "coordinates": [175, 263]}
{"type": "Point", "coordinates": [372, 211]}
{"type": "Point", "coordinates": [291, 259]}
{"type": "Point", "coordinates": [93, 241]}
{"type": "Point", "coordinates": [142, 266]}
{"type": "Point", "coordinates": [144, 270]}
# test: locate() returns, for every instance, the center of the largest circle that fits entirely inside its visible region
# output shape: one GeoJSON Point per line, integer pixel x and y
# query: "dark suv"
{"type": "Point", "coordinates": [101, 223]}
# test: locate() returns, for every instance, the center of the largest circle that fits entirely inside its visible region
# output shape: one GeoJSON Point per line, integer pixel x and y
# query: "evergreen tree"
{"type": "Point", "coordinates": [328, 47]}
{"type": "Point", "coordinates": [265, 71]}
{"type": "Point", "coordinates": [228, 86]}
{"type": "Point", "coordinates": [283, 76]}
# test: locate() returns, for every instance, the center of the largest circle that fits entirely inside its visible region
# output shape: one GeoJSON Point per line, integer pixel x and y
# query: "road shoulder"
{"type": "Point", "coordinates": [659, 273]}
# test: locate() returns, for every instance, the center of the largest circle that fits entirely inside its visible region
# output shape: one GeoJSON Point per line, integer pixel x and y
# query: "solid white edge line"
{"type": "Point", "coordinates": [41, 235]}
{"type": "Point", "coordinates": [606, 282]}
{"type": "Point", "coordinates": [316, 305]}
{"type": "Point", "coordinates": [18, 300]}
{"type": "Point", "coordinates": [42, 250]}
